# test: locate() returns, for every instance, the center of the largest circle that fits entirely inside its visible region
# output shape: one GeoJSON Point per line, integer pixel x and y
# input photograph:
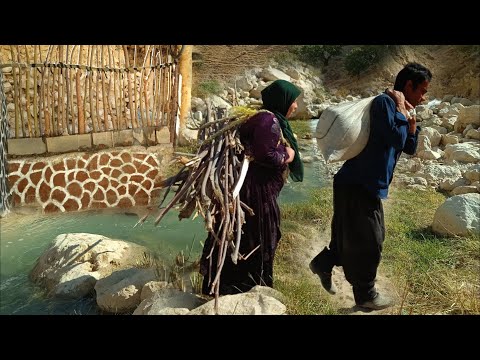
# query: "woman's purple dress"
{"type": "Point", "coordinates": [261, 137]}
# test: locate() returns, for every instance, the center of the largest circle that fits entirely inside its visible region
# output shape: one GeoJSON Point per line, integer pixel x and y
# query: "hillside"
{"type": "Point", "coordinates": [455, 71]}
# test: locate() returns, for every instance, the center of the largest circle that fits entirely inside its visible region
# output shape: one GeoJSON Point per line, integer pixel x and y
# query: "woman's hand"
{"type": "Point", "coordinates": [290, 153]}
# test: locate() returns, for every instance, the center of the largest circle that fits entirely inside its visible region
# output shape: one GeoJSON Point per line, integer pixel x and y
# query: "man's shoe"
{"type": "Point", "coordinates": [325, 279]}
{"type": "Point", "coordinates": [379, 302]}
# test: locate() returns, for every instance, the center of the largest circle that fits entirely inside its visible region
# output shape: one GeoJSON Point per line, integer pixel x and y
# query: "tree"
{"type": "Point", "coordinates": [317, 54]}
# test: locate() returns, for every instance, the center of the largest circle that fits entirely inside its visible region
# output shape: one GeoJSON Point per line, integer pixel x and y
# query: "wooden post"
{"type": "Point", "coordinates": [185, 69]}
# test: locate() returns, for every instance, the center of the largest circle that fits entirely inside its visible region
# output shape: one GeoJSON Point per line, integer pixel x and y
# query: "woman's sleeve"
{"type": "Point", "coordinates": [266, 144]}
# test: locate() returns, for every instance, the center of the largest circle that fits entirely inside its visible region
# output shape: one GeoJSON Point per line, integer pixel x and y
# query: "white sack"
{"type": "Point", "coordinates": [342, 130]}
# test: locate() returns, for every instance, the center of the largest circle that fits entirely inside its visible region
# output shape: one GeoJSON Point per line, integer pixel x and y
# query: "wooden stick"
{"type": "Point", "coordinates": [97, 92]}
{"type": "Point", "coordinates": [162, 93]}
{"type": "Point", "coordinates": [122, 100]}
{"type": "Point", "coordinates": [20, 96]}
{"type": "Point", "coordinates": [145, 90]}
{"type": "Point", "coordinates": [45, 95]}
{"type": "Point", "coordinates": [154, 85]}
{"type": "Point", "coordinates": [61, 92]}
{"type": "Point", "coordinates": [80, 102]}
{"type": "Point", "coordinates": [137, 92]}
{"type": "Point", "coordinates": [114, 76]}
{"type": "Point", "coordinates": [134, 55]}
{"type": "Point", "coordinates": [72, 104]}
{"type": "Point", "coordinates": [105, 97]}
{"type": "Point", "coordinates": [133, 118]}
{"type": "Point", "coordinates": [52, 98]}
{"type": "Point", "coordinates": [27, 94]}
{"type": "Point", "coordinates": [141, 89]}
{"type": "Point", "coordinates": [175, 105]}
{"type": "Point", "coordinates": [67, 86]}
{"type": "Point", "coordinates": [150, 81]}
{"type": "Point", "coordinates": [80, 112]}
{"type": "Point", "coordinates": [93, 116]}
{"type": "Point", "coordinates": [35, 102]}
{"type": "Point", "coordinates": [15, 95]}
{"type": "Point", "coordinates": [84, 83]}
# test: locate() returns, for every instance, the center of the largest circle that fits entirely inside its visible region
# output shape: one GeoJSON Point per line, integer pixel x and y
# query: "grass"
{"type": "Point", "coordinates": [301, 127]}
{"type": "Point", "coordinates": [432, 274]}
{"type": "Point", "coordinates": [436, 275]}
{"type": "Point", "coordinates": [302, 222]}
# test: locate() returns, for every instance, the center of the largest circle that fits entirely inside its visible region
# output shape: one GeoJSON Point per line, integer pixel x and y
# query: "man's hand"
{"type": "Point", "coordinates": [412, 119]}
{"type": "Point", "coordinates": [404, 107]}
{"type": "Point", "coordinates": [400, 101]}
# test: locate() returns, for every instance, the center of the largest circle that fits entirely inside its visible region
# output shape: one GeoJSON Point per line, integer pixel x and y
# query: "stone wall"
{"type": "Point", "coordinates": [119, 177]}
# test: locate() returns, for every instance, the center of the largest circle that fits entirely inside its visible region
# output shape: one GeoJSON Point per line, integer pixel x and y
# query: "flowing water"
{"type": "Point", "coordinates": [26, 233]}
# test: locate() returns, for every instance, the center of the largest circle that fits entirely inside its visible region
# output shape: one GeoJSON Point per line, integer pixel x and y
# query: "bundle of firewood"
{"type": "Point", "coordinates": [209, 185]}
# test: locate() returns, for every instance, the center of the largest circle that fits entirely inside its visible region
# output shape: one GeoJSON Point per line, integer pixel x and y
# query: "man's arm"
{"type": "Point", "coordinates": [388, 123]}
{"type": "Point", "coordinates": [412, 140]}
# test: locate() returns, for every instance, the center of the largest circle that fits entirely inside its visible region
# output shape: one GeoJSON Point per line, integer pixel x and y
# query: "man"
{"type": "Point", "coordinates": [358, 229]}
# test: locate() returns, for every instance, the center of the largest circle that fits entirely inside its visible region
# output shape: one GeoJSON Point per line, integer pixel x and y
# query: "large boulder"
{"type": "Point", "coordinates": [249, 303]}
{"type": "Point", "coordinates": [73, 264]}
{"type": "Point", "coordinates": [463, 152]}
{"type": "Point", "coordinates": [169, 298]}
{"type": "Point", "coordinates": [120, 292]}
{"type": "Point", "coordinates": [458, 215]}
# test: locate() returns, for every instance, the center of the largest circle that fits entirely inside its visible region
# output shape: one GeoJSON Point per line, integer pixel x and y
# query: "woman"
{"type": "Point", "coordinates": [269, 141]}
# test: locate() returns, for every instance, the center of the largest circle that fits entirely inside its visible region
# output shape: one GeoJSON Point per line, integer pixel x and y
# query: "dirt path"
{"type": "Point", "coordinates": [344, 296]}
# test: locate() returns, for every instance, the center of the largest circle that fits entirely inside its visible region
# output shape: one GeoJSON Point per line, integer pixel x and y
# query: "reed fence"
{"type": "Point", "coordinates": [76, 89]}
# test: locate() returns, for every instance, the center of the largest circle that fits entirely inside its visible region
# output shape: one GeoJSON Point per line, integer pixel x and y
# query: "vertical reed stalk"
{"type": "Point", "coordinates": [27, 94]}
{"type": "Point", "coordinates": [35, 84]}
{"type": "Point", "coordinates": [97, 91]}
{"type": "Point", "coordinates": [22, 119]}
{"type": "Point", "coordinates": [54, 121]}
{"type": "Point", "coordinates": [46, 95]}
{"type": "Point", "coordinates": [133, 118]}
{"type": "Point", "coordinates": [114, 76]}
{"type": "Point", "coordinates": [61, 93]}
{"type": "Point", "coordinates": [136, 92]}
{"type": "Point", "coordinates": [67, 85]}
{"type": "Point", "coordinates": [141, 88]}
{"type": "Point", "coordinates": [92, 113]}
{"type": "Point", "coordinates": [72, 103]}
{"type": "Point", "coordinates": [121, 93]}
{"type": "Point", "coordinates": [104, 97]}
{"type": "Point", "coordinates": [15, 94]}
{"type": "Point", "coordinates": [154, 85]}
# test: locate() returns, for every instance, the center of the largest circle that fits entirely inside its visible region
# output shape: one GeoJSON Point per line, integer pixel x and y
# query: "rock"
{"type": "Point", "coordinates": [73, 264]}
{"type": "Point", "coordinates": [120, 291]}
{"type": "Point", "coordinates": [458, 215]}
{"type": "Point", "coordinates": [249, 303]}
{"type": "Point", "coordinates": [168, 298]}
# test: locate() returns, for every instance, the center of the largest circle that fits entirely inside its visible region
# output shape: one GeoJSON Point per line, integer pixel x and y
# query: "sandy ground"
{"type": "Point", "coordinates": [344, 296]}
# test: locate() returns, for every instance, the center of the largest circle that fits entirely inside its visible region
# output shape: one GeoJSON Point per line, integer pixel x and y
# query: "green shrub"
{"type": "Point", "coordinates": [361, 58]}
{"type": "Point", "coordinates": [285, 57]}
{"type": "Point", "coordinates": [317, 54]}
{"type": "Point", "coordinates": [205, 88]}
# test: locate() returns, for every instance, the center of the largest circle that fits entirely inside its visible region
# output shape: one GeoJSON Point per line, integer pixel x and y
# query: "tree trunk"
{"type": "Point", "coordinates": [185, 68]}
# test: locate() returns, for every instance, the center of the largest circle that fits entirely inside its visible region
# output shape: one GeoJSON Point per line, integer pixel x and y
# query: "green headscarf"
{"type": "Point", "coordinates": [277, 98]}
